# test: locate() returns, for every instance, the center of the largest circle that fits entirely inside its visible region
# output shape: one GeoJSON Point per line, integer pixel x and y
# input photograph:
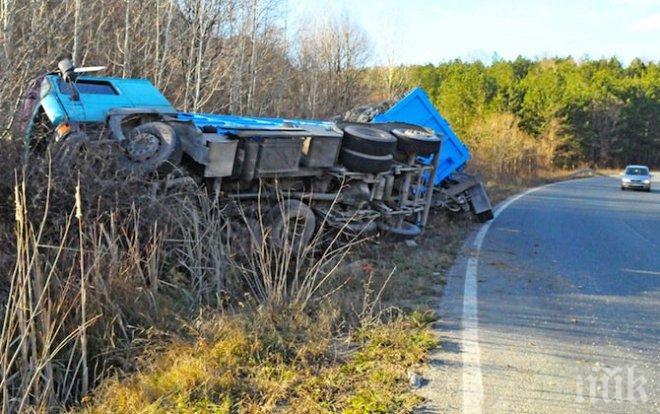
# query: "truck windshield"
{"type": "Point", "coordinates": [87, 87]}
{"type": "Point", "coordinates": [637, 171]}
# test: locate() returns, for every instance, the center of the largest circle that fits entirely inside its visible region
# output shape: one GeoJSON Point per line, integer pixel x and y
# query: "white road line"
{"type": "Point", "coordinates": [471, 356]}
{"type": "Point", "coordinates": [644, 272]}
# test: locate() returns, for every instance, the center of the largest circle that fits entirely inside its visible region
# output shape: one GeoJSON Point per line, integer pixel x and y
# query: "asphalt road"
{"type": "Point", "coordinates": [567, 307]}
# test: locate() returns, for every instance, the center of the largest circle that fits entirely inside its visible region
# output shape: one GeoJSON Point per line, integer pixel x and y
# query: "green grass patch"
{"type": "Point", "coordinates": [282, 364]}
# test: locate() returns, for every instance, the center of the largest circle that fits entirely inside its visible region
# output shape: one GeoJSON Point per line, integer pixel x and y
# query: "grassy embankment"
{"type": "Point", "coordinates": [132, 298]}
{"type": "Point", "coordinates": [306, 367]}
{"type": "Point", "coordinates": [135, 304]}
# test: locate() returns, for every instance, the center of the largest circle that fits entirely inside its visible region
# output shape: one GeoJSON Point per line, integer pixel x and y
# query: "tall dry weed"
{"type": "Point", "coordinates": [104, 269]}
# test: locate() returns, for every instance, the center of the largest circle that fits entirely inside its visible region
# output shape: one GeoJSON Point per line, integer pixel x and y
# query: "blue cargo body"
{"type": "Point", "coordinates": [416, 108]}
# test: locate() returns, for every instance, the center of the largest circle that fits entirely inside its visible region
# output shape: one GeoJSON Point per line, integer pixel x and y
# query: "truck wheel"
{"type": "Point", "coordinates": [364, 163]}
{"type": "Point", "coordinates": [245, 236]}
{"type": "Point", "coordinates": [151, 147]}
{"type": "Point", "coordinates": [406, 231]}
{"type": "Point", "coordinates": [66, 151]}
{"type": "Point", "coordinates": [416, 141]}
{"type": "Point", "coordinates": [292, 224]}
{"type": "Point", "coordinates": [367, 140]}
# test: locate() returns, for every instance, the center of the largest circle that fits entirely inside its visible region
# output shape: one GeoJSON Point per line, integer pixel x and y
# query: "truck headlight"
{"type": "Point", "coordinates": [626, 180]}
{"type": "Point", "coordinates": [647, 181]}
{"type": "Point", "coordinates": [62, 130]}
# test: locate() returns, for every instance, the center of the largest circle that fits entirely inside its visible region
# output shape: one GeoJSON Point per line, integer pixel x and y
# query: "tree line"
{"type": "Point", "coordinates": [557, 112]}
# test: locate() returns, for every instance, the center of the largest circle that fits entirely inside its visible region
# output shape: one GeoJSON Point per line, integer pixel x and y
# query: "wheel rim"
{"type": "Point", "coordinates": [142, 146]}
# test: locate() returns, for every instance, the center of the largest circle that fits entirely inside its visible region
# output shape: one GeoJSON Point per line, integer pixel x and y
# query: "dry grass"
{"type": "Point", "coordinates": [110, 276]}
{"type": "Point", "coordinates": [262, 365]}
{"type": "Point", "coordinates": [81, 293]}
{"type": "Point", "coordinates": [296, 345]}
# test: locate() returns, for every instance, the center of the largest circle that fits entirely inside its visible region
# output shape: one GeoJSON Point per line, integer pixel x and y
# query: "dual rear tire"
{"type": "Point", "coordinates": [371, 148]}
{"type": "Point", "coordinates": [367, 150]}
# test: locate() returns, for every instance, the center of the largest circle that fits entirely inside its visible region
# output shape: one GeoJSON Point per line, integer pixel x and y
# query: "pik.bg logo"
{"type": "Point", "coordinates": [615, 384]}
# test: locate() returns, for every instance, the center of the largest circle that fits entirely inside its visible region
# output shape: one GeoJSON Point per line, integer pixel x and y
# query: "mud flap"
{"type": "Point", "coordinates": [480, 203]}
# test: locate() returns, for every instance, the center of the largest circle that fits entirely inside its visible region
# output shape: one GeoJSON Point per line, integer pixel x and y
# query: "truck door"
{"type": "Point", "coordinates": [98, 96]}
{"type": "Point", "coordinates": [73, 107]}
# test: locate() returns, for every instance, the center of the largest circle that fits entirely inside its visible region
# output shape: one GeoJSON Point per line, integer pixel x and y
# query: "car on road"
{"type": "Point", "coordinates": [636, 177]}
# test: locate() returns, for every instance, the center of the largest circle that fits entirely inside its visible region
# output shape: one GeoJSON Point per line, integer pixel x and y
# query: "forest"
{"type": "Point", "coordinates": [561, 112]}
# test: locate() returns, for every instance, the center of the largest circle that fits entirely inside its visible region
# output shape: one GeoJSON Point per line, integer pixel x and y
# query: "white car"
{"type": "Point", "coordinates": [636, 177]}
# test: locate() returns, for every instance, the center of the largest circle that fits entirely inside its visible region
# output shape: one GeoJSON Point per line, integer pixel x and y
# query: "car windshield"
{"type": "Point", "coordinates": [637, 171]}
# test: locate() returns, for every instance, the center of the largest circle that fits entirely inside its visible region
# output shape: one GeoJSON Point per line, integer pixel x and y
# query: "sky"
{"type": "Point", "coordinates": [434, 31]}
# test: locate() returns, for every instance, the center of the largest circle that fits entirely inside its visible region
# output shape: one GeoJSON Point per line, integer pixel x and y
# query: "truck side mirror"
{"type": "Point", "coordinates": [68, 74]}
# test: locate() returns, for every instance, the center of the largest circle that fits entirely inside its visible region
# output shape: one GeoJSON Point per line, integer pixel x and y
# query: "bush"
{"type": "Point", "coordinates": [501, 149]}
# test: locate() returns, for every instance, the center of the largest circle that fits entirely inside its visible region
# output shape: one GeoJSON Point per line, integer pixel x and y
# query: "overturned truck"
{"type": "Point", "coordinates": [386, 174]}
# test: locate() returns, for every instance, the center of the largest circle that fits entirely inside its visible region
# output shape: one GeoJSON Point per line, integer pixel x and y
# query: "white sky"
{"type": "Point", "coordinates": [432, 31]}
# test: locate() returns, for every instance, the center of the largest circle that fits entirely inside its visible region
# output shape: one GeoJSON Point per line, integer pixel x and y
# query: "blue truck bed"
{"type": "Point", "coordinates": [416, 108]}
{"type": "Point", "coordinates": [233, 123]}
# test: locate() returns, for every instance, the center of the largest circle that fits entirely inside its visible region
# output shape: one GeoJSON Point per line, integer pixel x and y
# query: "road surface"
{"type": "Point", "coordinates": [555, 307]}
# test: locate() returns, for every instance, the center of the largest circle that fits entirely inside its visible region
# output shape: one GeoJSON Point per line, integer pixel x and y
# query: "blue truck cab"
{"type": "Point", "coordinates": [67, 108]}
{"type": "Point", "coordinates": [88, 101]}
{"type": "Point", "coordinates": [96, 97]}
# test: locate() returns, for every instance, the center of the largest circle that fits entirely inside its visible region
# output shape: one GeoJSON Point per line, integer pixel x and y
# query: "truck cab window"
{"type": "Point", "coordinates": [92, 87]}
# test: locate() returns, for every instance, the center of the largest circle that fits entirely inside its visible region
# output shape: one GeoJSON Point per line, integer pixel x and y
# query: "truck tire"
{"type": "Point", "coordinates": [246, 236]}
{"type": "Point", "coordinates": [356, 227]}
{"type": "Point", "coordinates": [365, 163]}
{"type": "Point", "coordinates": [367, 140]}
{"type": "Point", "coordinates": [406, 231]}
{"type": "Point", "coordinates": [416, 141]}
{"type": "Point", "coordinates": [151, 147]}
{"type": "Point", "coordinates": [66, 151]}
{"type": "Point", "coordinates": [292, 224]}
